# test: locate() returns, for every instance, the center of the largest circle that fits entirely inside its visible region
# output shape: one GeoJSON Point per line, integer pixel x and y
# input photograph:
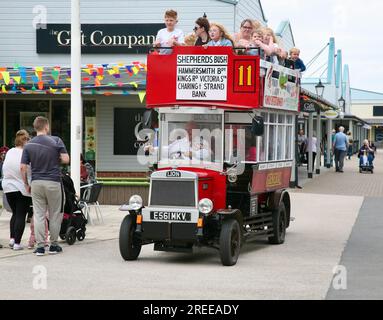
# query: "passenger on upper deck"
{"type": "Point", "coordinates": [243, 37]}
{"type": "Point", "coordinates": [219, 36]}
{"type": "Point", "coordinates": [201, 30]}
{"type": "Point", "coordinates": [275, 51]}
{"type": "Point", "coordinates": [169, 36]}
{"type": "Point", "coordinates": [298, 63]}
{"type": "Point", "coordinates": [256, 42]}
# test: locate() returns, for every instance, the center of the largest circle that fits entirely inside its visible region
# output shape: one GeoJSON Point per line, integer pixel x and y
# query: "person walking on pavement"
{"type": "Point", "coordinates": [350, 143]}
{"type": "Point", "coordinates": [301, 147]}
{"type": "Point", "coordinates": [44, 153]}
{"type": "Point", "coordinates": [18, 196]}
{"type": "Point", "coordinates": [311, 146]}
{"type": "Point", "coordinates": [340, 146]}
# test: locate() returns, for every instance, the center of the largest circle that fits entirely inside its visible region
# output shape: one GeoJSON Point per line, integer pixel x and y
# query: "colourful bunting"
{"type": "Point", "coordinates": [39, 78]}
{"type": "Point", "coordinates": [141, 95]}
{"type": "Point", "coordinates": [5, 75]}
{"type": "Point", "coordinates": [135, 69]}
{"type": "Point", "coordinates": [100, 71]}
{"type": "Point", "coordinates": [134, 84]}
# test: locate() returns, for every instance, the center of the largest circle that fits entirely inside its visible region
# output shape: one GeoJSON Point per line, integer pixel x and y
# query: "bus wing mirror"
{"type": "Point", "coordinates": [257, 126]}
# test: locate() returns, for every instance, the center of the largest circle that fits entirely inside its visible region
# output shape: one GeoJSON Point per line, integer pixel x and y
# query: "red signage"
{"type": "Point", "coordinates": [244, 76]}
{"type": "Point", "coordinates": [270, 179]}
{"type": "Point", "coordinates": [197, 76]}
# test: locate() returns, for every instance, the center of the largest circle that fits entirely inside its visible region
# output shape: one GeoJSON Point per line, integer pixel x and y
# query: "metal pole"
{"type": "Point", "coordinates": [319, 136]}
{"type": "Point", "coordinates": [294, 171]}
{"type": "Point", "coordinates": [309, 142]}
{"type": "Point", "coordinates": [76, 102]}
{"type": "Point", "coordinates": [329, 143]}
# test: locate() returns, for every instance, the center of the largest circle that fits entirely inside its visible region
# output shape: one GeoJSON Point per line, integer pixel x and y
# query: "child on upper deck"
{"type": "Point", "coordinates": [256, 42]}
{"type": "Point", "coordinates": [219, 36]}
{"type": "Point", "coordinates": [275, 53]}
{"type": "Point", "coordinates": [169, 36]}
{"type": "Point", "coordinates": [298, 63]}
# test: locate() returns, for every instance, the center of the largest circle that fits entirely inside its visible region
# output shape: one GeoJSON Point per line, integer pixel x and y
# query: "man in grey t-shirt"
{"type": "Point", "coordinates": [44, 153]}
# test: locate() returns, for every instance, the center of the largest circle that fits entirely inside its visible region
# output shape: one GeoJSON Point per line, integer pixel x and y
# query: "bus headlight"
{"type": "Point", "coordinates": [205, 206]}
{"type": "Point", "coordinates": [135, 202]}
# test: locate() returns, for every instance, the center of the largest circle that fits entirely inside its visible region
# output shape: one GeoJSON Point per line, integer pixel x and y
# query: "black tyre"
{"type": "Point", "coordinates": [130, 242]}
{"type": "Point", "coordinates": [360, 170]}
{"type": "Point", "coordinates": [279, 225]}
{"type": "Point", "coordinates": [70, 235]}
{"type": "Point", "coordinates": [230, 242]}
{"type": "Point", "coordinates": [80, 235]}
{"type": "Point", "coordinates": [62, 236]}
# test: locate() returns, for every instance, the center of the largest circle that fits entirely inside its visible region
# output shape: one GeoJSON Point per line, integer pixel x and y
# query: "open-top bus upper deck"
{"type": "Point", "coordinates": [219, 77]}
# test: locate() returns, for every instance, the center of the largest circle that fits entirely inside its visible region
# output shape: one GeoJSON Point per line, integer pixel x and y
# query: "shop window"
{"type": "Point", "coordinates": [89, 131]}
{"type": "Point", "coordinates": [378, 111]}
{"type": "Point", "coordinates": [20, 115]}
{"type": "Point", "coordinates": [126, 122]}
{"type": "Point", "coordinates": [60, 125]}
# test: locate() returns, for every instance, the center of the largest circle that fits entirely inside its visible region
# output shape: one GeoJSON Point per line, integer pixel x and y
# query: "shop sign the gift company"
{"type": "Point", "coordinates": [98, 38]}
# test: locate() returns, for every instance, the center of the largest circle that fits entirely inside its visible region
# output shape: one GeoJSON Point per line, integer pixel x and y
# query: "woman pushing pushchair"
{"type": "Point", "coordinates": [366, 157]}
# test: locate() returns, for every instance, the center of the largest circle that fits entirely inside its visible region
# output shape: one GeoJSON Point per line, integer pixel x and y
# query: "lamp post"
{"type": "Point", "coordinates": [319, 88]}
{"type": "Point", "coordinates": [342, 105]}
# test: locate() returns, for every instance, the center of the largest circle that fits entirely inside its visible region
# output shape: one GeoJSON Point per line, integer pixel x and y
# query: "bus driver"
{"type": "Point", "coordinates": [183, 148]}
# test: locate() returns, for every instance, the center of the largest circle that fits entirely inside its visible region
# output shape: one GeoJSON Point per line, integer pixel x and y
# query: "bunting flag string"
{"type": "Point", "coordinates": [54, 80]}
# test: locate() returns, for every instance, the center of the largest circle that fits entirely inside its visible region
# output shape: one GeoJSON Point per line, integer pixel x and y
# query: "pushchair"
{"type": "Point", "coordinates": [74, 222]}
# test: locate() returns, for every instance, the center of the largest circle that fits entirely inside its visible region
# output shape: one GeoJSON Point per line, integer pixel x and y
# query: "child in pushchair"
{"type": "Point", "coordinates": [74, 222]}
{"type": "Point", "coordinates": [366, 157]}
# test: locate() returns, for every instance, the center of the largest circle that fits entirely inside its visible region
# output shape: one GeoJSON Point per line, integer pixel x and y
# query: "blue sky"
{"type": "Point", "coordinates": [356, 26]}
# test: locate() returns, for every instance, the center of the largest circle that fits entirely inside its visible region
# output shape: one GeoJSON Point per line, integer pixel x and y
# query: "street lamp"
{"type": "Point", "coordinates": [319, 88]}
{"type": "Point", "coordinates": [342, 103]}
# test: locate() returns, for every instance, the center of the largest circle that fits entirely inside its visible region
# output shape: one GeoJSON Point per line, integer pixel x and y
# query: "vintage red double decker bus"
{"type": "Point", "coordinates": [223, 153]}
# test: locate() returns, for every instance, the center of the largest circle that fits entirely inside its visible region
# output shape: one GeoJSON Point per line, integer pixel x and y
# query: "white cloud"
{"type": "Point", "coordinates": [356, 26]}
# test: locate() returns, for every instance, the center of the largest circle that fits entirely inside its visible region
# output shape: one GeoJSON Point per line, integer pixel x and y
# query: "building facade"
{"type": "Point", "coordinates": [116, 36]}
{"type": "Point", "coordinates": [368, 105]}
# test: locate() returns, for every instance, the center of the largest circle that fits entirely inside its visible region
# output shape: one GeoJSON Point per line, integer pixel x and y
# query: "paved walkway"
{"type": "Point", "coordinates": [338, 223]}
{"type": "Point", "coordinates": [97, 232]}
{"type": "Point", "coordinates": [362, 257]}
{"type": "Point", "coordinates": [349, 183]}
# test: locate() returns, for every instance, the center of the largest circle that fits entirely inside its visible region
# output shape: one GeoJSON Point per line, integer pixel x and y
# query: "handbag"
{"type": "Point", "coordinates": [6, 204]}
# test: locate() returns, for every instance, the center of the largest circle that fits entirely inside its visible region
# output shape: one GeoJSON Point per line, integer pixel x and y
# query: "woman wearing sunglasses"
{"type": "Point", "coordinates": [201, 30]}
